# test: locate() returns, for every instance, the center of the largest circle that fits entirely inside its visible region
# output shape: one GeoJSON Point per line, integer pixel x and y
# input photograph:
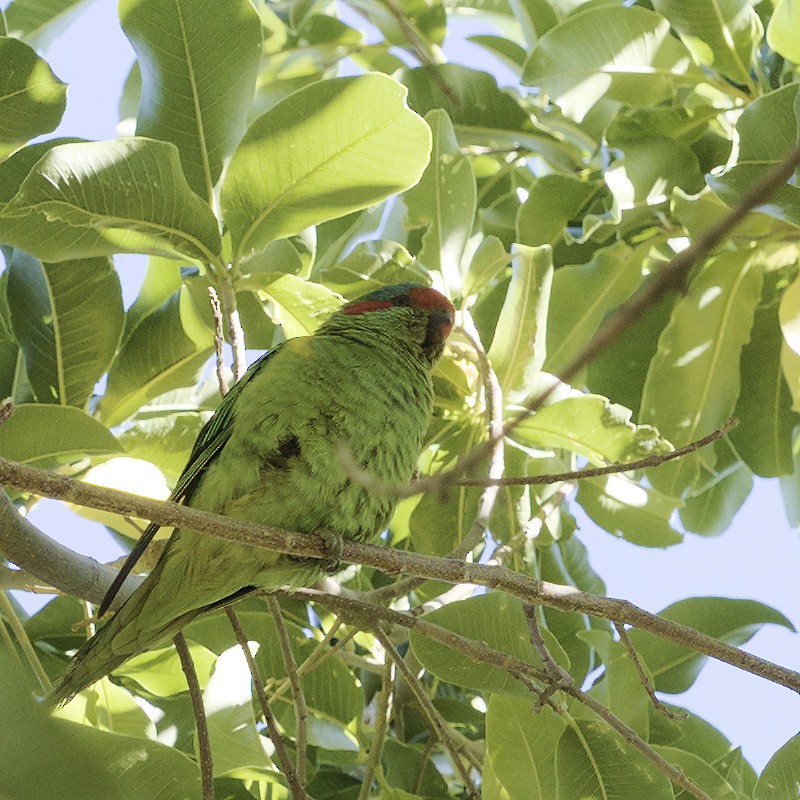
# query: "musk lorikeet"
{"type": "Point", "coordinates": [269, 455]}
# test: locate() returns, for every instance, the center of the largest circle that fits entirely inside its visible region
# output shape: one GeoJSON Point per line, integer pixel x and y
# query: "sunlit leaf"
{"type": "Point", "coordinates": [626, 54]}
{"type": "Point", "coordinates": [198, 63]}
{"type": "Point", "coordinates": [675, 667]}
{"type": "Point", "coordinates": [32, 98]}
{"type": "Point", "coordinates": [67, 318]}
{"type": "Point", "coordinates": [329, 149]}
{"type": "Point", "coordinates": [99, 198]}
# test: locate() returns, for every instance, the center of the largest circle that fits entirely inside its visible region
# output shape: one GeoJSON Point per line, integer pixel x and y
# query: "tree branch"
{"type": "Point", "coordinates": [393, 562]}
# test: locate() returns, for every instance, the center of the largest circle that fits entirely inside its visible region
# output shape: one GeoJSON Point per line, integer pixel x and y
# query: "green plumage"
{"type": "Point", "coordinates": [269, 455]}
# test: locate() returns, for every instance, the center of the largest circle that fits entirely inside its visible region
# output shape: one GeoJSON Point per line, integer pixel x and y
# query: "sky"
{"type": "Point", "coordinates": [757, 558]}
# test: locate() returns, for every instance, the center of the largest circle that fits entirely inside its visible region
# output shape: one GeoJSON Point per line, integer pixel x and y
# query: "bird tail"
{"type": "Point", "coordinates": [122, 637]}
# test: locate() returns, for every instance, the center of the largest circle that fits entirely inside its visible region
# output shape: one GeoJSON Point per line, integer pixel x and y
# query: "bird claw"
{"type": "Point", "coordinates": [334, 545]}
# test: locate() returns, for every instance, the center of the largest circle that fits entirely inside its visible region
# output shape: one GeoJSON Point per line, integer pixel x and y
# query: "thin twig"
{"type": "Point", "coordinates": [295, 787]}
{"type": "Point", "coordinates": [643, 676]}
{"type": "Point", "coordinates": [219, 341]}
{"type": "Point", "coordinates": [201, 722]}
{"type": "Point", "coordinates": [21, 635]}
{"type": "Point", "coordinates": [440, 728]}
{"type": "Point", "coordinates": [6, 409]}
{"type": "Point", "coordinates": [29, 549]}
{"type": "Point", "coordinates": [383, 701]}
{"type": "Point", "coordinates": [300, 707]}
{"type": "Point", "coordinates": [235, 331]}
{"type": "Point", "coordinates": [655, 460]}
{"type": "Point", "coordinates": [561, 679]}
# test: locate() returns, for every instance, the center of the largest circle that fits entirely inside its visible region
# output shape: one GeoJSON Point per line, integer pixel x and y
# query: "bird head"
{"type": "Point", "coordinates": [410, 311]}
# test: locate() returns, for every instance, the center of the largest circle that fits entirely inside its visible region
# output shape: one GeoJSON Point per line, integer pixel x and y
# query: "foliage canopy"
{"type": "Point", "coordinates": [540, 208]}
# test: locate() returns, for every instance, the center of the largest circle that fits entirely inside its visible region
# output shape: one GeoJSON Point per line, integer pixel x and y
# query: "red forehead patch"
{"type": "Point", "coordinates": [365, 306]}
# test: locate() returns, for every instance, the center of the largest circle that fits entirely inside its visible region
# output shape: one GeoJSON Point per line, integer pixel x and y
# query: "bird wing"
{"type": "Point", "coordinates": [212, 438]}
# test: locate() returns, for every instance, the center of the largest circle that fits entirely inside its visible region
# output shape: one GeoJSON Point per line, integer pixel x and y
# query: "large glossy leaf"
{"type": "Point", "coordinates": [781, 30]}
{"type": "Point", "coordinates": [482, 113]}
{"type": "Point", "coordinates": [722, 34]}
{"type": "Point", "coordinates": [781, 776]}
{"type": "Point", "coordinates": [553, 202]}
{"type": "Point", "coordinates": [39, 22]}
{"type": "Point", "coordinates": [82, 763]}
{"type": "Point", "coordinates": [693, 382]}
{"type": "Point", "coordinates": [329, 149]}
{"type": "Point", "coordinates": [198, 63]}
{"type": "Point", "coordinates": [583, 295]}
{"type": "Point", "coordinates": [520, 750]}
{"type": "Point", "coordinates": [767, 133]}
{"type": "Point", "coordinates": [763, 437]}
{"type": "Point", "coordinates": [476, 618]}
{"type": "Point", "coordinates": [443, 202]}
{"type": "Point", "coordinates": [99, 198]}
{"type": "Point", "coordinates": [32, 98]}
{"type": "Point", "coordinates": [593, 762]}
{"type": "Point", "coordinates": [518, 346]}
{"type": "Point", "coordinates": [700, 772]}
{"type": "Point", "coordinates": [674, 667]}
{"type": "Point", "coordinates": [238, 748]}
{"type": "Point", "coordinates": [165, 351]}
{"type": "Point", "coordinates": [67, 318]}
{"type": "Point", "coordinates": [300, 307]}
{"type": "Point", "coordinates": [592, 427]}
{"type": "Point", "coordinates": [48, 434]}
{"type": "Point", "coordinates": [639, 514]}
{"type": "Point", "coordinates": [626, 54]}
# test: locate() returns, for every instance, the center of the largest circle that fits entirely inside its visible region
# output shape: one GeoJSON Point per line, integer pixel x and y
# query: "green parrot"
{"type": "Point", "coordinates": [269, 455]}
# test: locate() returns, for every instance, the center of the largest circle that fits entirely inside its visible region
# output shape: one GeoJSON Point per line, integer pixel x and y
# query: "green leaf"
{"type": "Point", "coordinates": [592, 427]}
{"type": "Point", "coordinates": [625, 54]}
{"type": "Point", "coordinates": [482, 113]}
{"type": "Point", "coordinates": [518, 346]}
{"type": "Point", "coordinates": [161, 280]}
{"type": "Point", "coordinates": [32, 98]}
{"type": "Point", "coordinates": [582, 297]}
{"type": "Point", "coordinates": [520, 750]}
{"type": "Point", "coordinates": [408, 769]}
{"type": "Point", "coordinates": [119, 766]}
{"type": "Point", "coordinates": [509, 52]}
{"type": "Point", "coordinates": [477, 618]}
{"type": "Point", "coordinates": [16, 167]}
{"type": "Point", "coordinates": [67, 318]}
{"type": "Point", "coordinates": [98, 198]}
{"type": "Point", "coordinates": [489, 260]}
{"type": "Point", "coordinates": [721, 35]}
{"type": "Point", "coordinates": [639, 514]}
{"type": "Point", "coordinates": [711, 511]}
{"type": "Point", "coordinates": [330, 689]}
{"type": "Point", "coordinates": [443, 202]}
{"type": "Point", "coordinates": [763, 437]}
{"type": "Point", "coordinates": [620, 371]}
{"type": "Point", "coordinates": [781, 30]}
{"type": "Point", "coordinates": [239, 750]}
{"type": "Point", "coordinates": [329, 149]}
{"type": "Point", "coordinates": [300, 306]}
{"type": "Point", "coordinates": [553, 202]}
{"type": "Point", "coordinates": [699, 772]}
{"type": "Point", "coordinates": [39, 22]}
{"type": "Point", "coordinates": [592, 761]}
{"type": "Point", "coordinates": [159, 671]}
{"type": "Point", "coordinates": [165, 351]}
{"type": "Point", "coordinates": [198, 63]}
{"type": "Point", "coordinates": [781, 776]}
{"type": "Point", "coordinates": [50, 434]}
{"type": "Point", "coordinates": [768, 131]}
{"type": "Point", "coordinates": [675, 667]}
{"type": "Point", "coordinates": [693, 382]}
{"type": "Point", "coordinates": [620, 689]}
